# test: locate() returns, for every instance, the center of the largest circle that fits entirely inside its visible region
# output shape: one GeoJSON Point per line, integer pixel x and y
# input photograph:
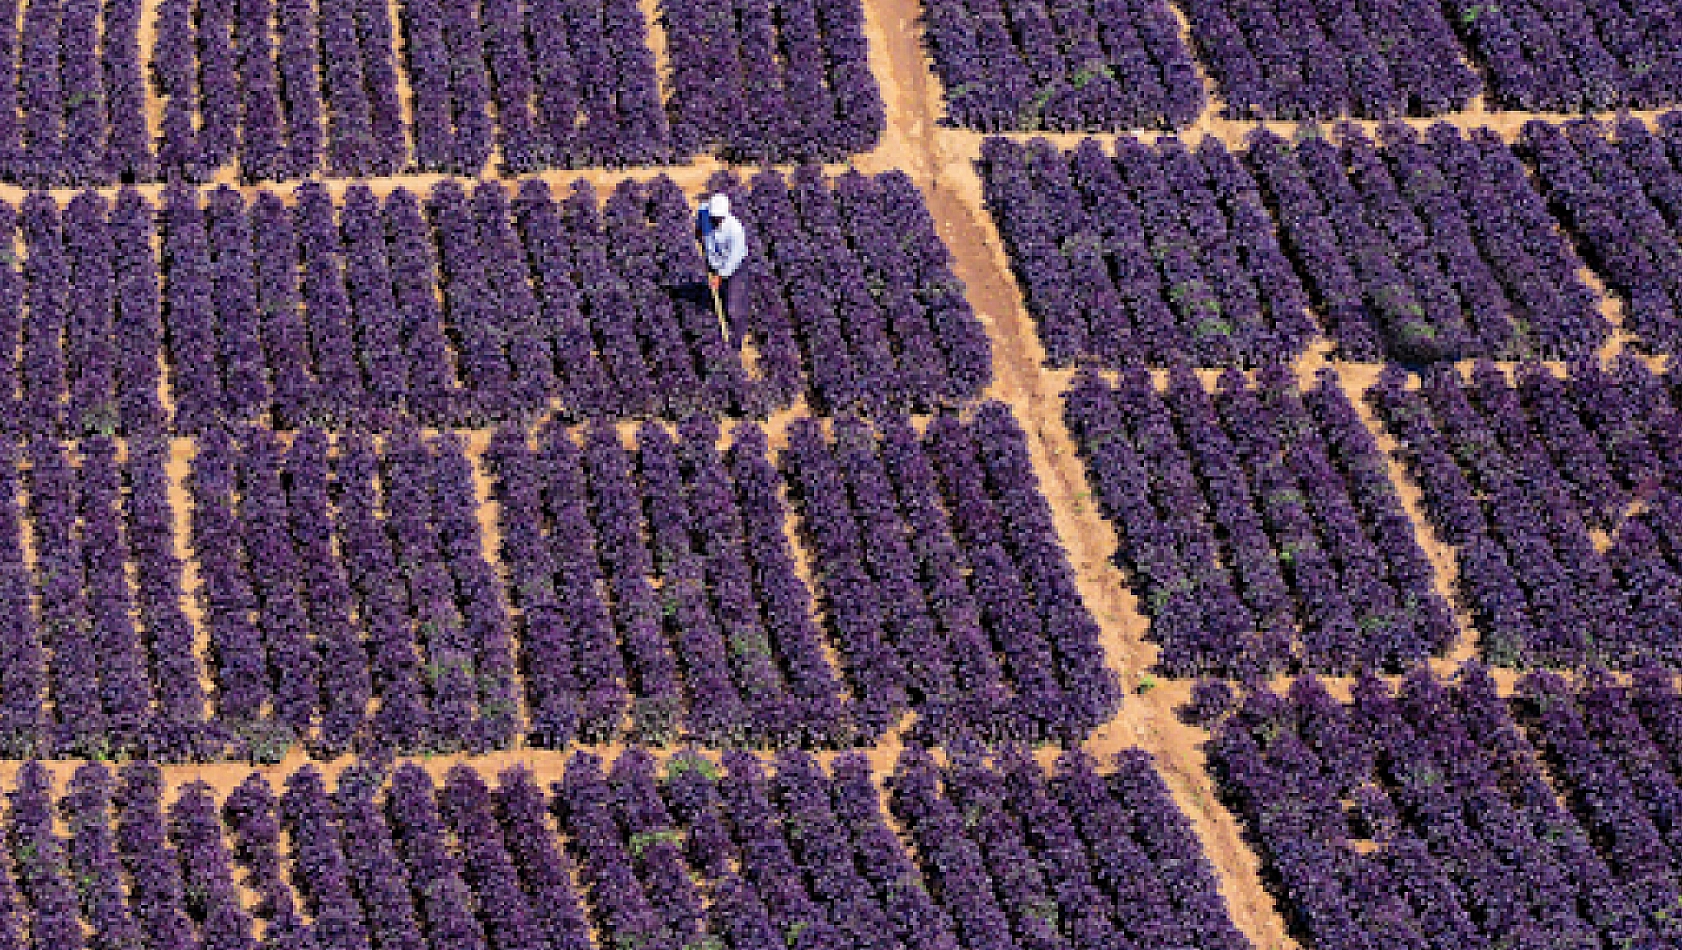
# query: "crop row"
{"type": "Point", "coordinates": [1434, 250]}
{"type": "Point", "coordinates": [1004, 854]}
{"type": "Point", "coordinates": [1575, 55]}
{"type": "Point", "coordinates": [1442, 815]}
{"type": "Point", "coordinates": [291, 89]}
{"type": "Point", "coordinates": [349, 596]}
{"type": "Point", "coordinates": [1109, 65]}
{"type": "Point", "coordinates": [465, 308]}
{"type": "Point", "coordinates": [771, 81]}
{"type": "Point", "coordinates": [1522, 476]}
{"type": "Point", "coordinates": [1419, 249]}
{"type": "Point", "coordinates": [1622, 196]}
{"type": "Point", "coordinates": [933, 562]}
{"type": "Point", "coordinates": [1063, 66]}
{"type": "Point", "coordinates": [1321, 59]}
{"type": "Point", "coordinates": [1258, 525]}
{"type": "Point", "coordinates": [1155, 255]}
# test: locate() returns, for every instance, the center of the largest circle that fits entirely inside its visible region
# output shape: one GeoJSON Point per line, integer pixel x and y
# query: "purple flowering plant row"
{"type": "Point", "coordinates": [464, 308]}
{"type": "Point", "coordinates": [1325, 59]}
{"type": "Point", "coordinates": [1417, 248]}
{"type": "Point", "coordinates": [1618, 187]}
{"type": "Point", "coordinates": [1109, 65]}
{"type": "Point", "coordinates": [1442, 813]}
{"type": "Point", "coordinates": [692, 852]}
{"type": "Point", "coordinates": [290, 89]}
{"type": "Point", "coordinates": [783, 81]}
{"type": "Point", "coordinates": [1066, 65]}
{"type": "Point", "coordinates": [937, 585]}
{"type": "Point", "coordinates": [1151, 255]}
{"type": "Point", "coordinates": [1258, 525]}
{"type": "Point", "coordinates": [1574, 55]}
{"type": "Point", "coordinates": [351, 600]}
{"type": "Point", "coordinates": [1562, 497]}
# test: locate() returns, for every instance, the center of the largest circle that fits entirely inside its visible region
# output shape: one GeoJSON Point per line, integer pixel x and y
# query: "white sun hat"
{"type": "Point", "coordinates": [718, 208]}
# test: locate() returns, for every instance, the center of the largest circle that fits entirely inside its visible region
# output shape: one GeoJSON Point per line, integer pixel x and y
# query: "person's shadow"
{"type": "Point", "coordinates": [692, 300]}
{"type": "Point", "coordinates": [691, 292]}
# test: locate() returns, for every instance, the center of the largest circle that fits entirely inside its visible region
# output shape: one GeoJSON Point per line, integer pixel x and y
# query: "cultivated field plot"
{"type": "Point", "coordinates": [1064, 66]}
{"type": "Point", "coordinates": [283, 90]}
{"type": "Point", "coordinates": [350, 600]}
{"type": "Point", "coordinates": [1561, 496]}
{"type": "Point", "coordinates": [1622, 195]}
{"type": "Point", "coordinates": [1575, 56]}
{"type": "Point", "coordinates": [1156, 255]}
{"type": "Point", "coordinates": [1442, 814]}
{"type": "Point", "coordinates": [1314, 59]}
{"type": "Point", "coordinates": [1423, 248]}
{"type": "Point", "coordinates": [1258, 525]}
{"type": "Point", "coordinates": [462, 307]}
{"type": "Point", "coordinates": [1115, 65]}
{"type": "Point", "coordinates": [689, 852]}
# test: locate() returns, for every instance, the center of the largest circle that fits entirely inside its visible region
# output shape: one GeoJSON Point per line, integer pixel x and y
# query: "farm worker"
{"type": "Point", "coordinates": [726, 244]}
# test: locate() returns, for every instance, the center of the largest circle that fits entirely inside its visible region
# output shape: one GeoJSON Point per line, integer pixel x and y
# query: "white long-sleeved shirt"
{"type": "Point", "coordinates": [726, 243]}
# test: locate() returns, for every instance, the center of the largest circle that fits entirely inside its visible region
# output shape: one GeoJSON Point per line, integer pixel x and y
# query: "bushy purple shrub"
{"type": "Point", "coordinates": [1520, 472]}
{"type": "Point", "coordinates": [1308, 59]}
{"type": "Point", "coordinates": [1362, 808]}
{"type": "Point", "coordinates": [1574, 56]}
{"type": "Point", "coordinates": [473, 308]}
{"type": "Point", "coordinates": [1069, 65]}
{"type": "Point", "coordinates": [1258, 524]}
